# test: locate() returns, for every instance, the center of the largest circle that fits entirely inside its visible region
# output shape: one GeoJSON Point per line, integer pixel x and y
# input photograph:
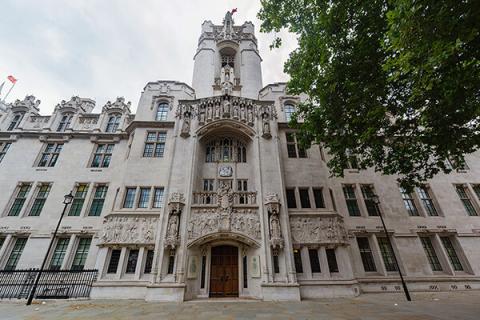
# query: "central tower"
{"type": "Point", "coordinates": [227, 60]}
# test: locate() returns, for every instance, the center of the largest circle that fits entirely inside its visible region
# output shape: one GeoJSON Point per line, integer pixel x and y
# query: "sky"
{"type": "Point", "coordinates": [103, 49]}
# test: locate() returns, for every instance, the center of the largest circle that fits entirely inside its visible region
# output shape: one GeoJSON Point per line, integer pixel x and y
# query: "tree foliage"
{"type": "Point", "coordinates": [394, 83]}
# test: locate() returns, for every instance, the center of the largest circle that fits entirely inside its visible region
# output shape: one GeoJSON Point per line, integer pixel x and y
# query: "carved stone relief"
{"type": "Point", "coordinates": [128, 230]}
{"type": "Point", "coordinates": [318, 230]}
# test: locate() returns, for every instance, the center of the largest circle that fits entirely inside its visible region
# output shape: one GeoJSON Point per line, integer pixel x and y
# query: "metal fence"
{"type": "Point", "coordinates": [53, 284]}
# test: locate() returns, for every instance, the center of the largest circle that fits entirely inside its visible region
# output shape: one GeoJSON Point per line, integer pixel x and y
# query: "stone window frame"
{"type": "Point", "coordinates": [325, 272]}
{"type": "Point", "coordinates": [162, 115]}
{"type": "Point", "coordinates": [361, 199]}
{"type": "Point", "coordinates": [300, 153]}
{"type": "Point", "coordinates": [36, 196]}
{"type": "Point", "coordinates": [4, 147]}
{"type": "Point", "coordinates": [10, 248]}
{"type": "Point", "coordinates": [52, 155]}
{"type": "Point", "coordinates": [15, 123]}
{"type": "Point", "coordinates": [113, 121]}
{"type": "Point", "coordinates": [86, 199]}
{"type": "Point", "coordinates": [160, 140]}
{"type": "Point", "coordinates": [14, 196]}
{"type": "Point", "coordinates": [292, 108]}
{"type": "Point", "coordinates": [313, 205]}
{"type": "Point", "coordinates": [121, 269]}
{"type": "Point", "coordinates": [92, 197]}
{"type": "Point", "coordinates": [102, 154]}
{"type": "Point", "coordinates": [136, 199]}
{"type": "Point", "coordinates": [65, 122]}
{"type": "Point", "coordinates": [431, 198]}
{"type": "Point", "coordinates": [75, 250]}
{"type": "Point", "coordinates": [467, 199]}
{"type": "Point", "coordinates": [53, 253]}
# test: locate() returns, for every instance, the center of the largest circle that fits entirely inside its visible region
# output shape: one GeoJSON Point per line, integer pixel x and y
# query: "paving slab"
{"type": "Point", "coordinates": [436, 306]}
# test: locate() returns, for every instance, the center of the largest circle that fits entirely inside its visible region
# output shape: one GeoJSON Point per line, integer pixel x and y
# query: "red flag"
{"type": "Point", "coordinates": [12, 79]}
{"type": "Point", "coordinates": [234, 10]}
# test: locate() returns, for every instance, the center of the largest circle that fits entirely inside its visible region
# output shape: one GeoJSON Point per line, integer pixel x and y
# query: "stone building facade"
{"type": "Point", "coordinates": [204, 192]}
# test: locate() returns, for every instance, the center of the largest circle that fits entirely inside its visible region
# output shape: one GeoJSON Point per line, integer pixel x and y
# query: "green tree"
{"type": "Point", "coordinates": [394, 83]}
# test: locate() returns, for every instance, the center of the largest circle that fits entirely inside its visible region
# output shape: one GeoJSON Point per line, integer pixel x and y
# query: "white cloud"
{"type": "Point", "coordinates": [109, 48]}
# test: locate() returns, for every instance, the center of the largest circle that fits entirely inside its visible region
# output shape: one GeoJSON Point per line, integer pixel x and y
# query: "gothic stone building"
{"type": "Point", "coordinates": [204, 192]}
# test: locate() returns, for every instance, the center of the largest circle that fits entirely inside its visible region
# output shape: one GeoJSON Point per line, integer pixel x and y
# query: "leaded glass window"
{"type": "Point", "coordinates": [81, 254]}
{"type": "Point", "coordinates": [463, 194]}
{"type": "Point", "coordinates": [452, 254]}
{"type": "Point", "coordinates": [387, 254]}
{"type": "Point", "coordinates": [158, 198]}
{"type": "Point", "coordinates": [132, 261]}
{"type": "Point", "coordinates": [368, 197]}
{"type": "Point", "coordinates": [144, 198]}
{"type": "Point", "coordinates": [431, 254]}
{"type": "Point", "coordinates": [155, 144]}
{"type": "Point", "coordinates": [366, 254]}
{"type": "Point", "coordinates": [225, 150]}
{"type": "Point", "coordinates": [4, 146]}
{"type": "Point", "coordinates": [50, 155]}
{"type": "Point", "coordinates": [113, 123]}
{"type": "Point", "coordinates": [409, 202]}
{"type": "Point", "coordinates": [20, 198]}
{"type": "Point", "coordinates": [351, 200]}
{"type": "Point", "coordinates": [162, 111]}
{"type": "Point", "coordinates": [102, 156]}
{"type": "Point", "coordinates": [65, 122]}
{"type": "Point", "coordinates": [15, 254]}
{"type": "Point", "coordinates": [59, 253]}
{"type": "Point", "coordinates": [78, 199]}
{"type": "Point", "coordinates": [129, 197]}
{"type": "Point", "coordinates": [427, 201]}
{"type": "Point", "coordinates": [98, 200]}
{"type": "Point", "coordinates": [43, 191]}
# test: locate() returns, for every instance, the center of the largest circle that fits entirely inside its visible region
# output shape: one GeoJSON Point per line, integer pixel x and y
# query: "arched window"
{"type": "Point", "coordinates": [289, 110]}
{"type": "Point", "coordinates": [65, 122]}
{"type": "Point", "coordinates": [162, 111]}
{"type": "Point", "coordinates": [15, 121]}
{"type": "Point", "coordinates": [226, 150]}
{"type": "Point", "coordinates": [113, 123]}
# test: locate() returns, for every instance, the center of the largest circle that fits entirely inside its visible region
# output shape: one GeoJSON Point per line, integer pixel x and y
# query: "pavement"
{"type": "Point", "coordinates": [426, 306]}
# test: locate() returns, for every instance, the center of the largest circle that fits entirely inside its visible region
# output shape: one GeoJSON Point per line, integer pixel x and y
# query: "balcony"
{"type": "Point", "coordinates": [210, 198]}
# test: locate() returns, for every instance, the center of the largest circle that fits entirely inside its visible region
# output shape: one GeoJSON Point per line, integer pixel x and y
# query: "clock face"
{"type": "Point", "coordinates": [225, 171]}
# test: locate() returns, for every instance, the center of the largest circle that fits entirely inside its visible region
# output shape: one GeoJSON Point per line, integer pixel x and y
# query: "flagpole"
{"type": "Point", "coordinates": [13, 85]}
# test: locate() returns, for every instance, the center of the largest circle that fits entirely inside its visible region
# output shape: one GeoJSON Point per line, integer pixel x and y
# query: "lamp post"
{"type": "Point", "coordinates": [67, 200]}
{"type": "Point", "coordinates": [376, 200]}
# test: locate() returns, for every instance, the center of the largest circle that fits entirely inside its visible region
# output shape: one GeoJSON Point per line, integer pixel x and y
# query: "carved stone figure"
{"type": "Point", "coordinates": [318, 230]}
{"type": "Point", "coordinates": [119, 229]}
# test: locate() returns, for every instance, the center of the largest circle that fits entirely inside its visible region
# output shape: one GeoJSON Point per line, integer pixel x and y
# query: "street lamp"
{"type": "Point", "coordinates": [376, 201]}
{"type": "Point", "coordinates": [66, 201]}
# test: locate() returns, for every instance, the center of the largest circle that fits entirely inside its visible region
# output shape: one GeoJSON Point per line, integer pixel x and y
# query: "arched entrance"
{"type": "Point", "coordinates": [224, 271]}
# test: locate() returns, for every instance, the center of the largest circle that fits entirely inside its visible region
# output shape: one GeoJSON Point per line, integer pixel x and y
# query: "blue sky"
{"type": "Point", "coordinates": [102, 49]}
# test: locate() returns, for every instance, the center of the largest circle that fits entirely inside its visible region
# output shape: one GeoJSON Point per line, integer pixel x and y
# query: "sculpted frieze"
{"type": "Point", "coordinates": [318, 230]}
{"type": "Point", "coordinates": [128, 230]}
{"type": "Point", "coordinates": [206, 221]}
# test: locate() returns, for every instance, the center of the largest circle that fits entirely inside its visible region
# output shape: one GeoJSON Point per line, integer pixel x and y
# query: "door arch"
{"type": "Point", "coordinates": [224, 271]}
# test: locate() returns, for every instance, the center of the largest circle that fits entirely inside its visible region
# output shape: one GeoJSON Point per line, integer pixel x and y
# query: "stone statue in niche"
{"type": "Point", "coordinates": [266, 125]}
{"type": "Point", "coordinates": [272, 203]}
{"type": "Point", "coordinates": [175, 206]}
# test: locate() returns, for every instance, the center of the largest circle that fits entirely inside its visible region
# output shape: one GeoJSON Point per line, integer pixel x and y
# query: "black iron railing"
{"type": "Point", "coordinates": [53, 284]}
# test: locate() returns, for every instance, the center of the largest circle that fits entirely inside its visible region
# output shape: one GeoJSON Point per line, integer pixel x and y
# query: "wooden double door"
{"type": "Point", "coordinates": [224, 272]}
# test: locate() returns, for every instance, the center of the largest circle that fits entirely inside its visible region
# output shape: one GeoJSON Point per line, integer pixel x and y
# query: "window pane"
{"type": "Point", "coordinates": [351, 201]}
{"type": "Point", "coordinates": [148, 262]}
{"type": "Point", "coordinates": [59, 253]}
{"type": "Point", "coordinates": [409, 202]}
{"type": "Point", "coordinates": [297, 258]}
{"type": "Point", "coordinates": [98, 200]}
{"type": "Point", "coordinates": [314, 262]}
{"type": "Point", "coordinates": [332, 260]}
{"type": "Point", "coordinates": [114, 259]}
{"type": "Point", "coordinates": [15, 254]}
{"type": "Point", "coordinates": [148, 151]}
{"type": "Point", "coordinates": [81, 254]}
{"type": "Point", "coordinates": [452, 254]}
{"type": "Point", "coordinates": [368, 194]}
{"type": "Point", "coordinates": [144, 197]}
{"type": "Point", "coordinates": [129, 197]}
{"type": "Point", "coordinates": [427, 201]}
{"type": "Point", "coordinates": [304, 198]}
{"type": "Point", "coordinates": [132, 261]}
{"type": "Point", "coordinates": [366, 255]}
{"type": "Point", "coordinates": [318, 196]}
{"type": "Point", "coordinates": [464, 197]}
{"type": "Point", "coordinates": [387, 254]}
{"type": "Point", "coordinates": [158, 198]}
{"type": "Point", "coordinates": [431, 254]}
{"type": "Point", "coordinates": [291, 202]}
